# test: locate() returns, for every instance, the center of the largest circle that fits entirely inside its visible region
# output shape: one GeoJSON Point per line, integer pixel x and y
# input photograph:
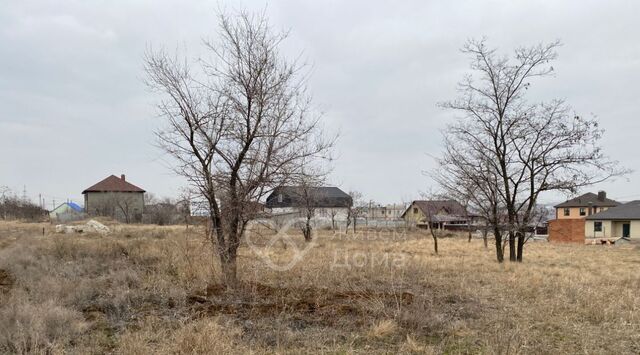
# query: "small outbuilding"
{"type": "Point", "coordinates": [66, 212]}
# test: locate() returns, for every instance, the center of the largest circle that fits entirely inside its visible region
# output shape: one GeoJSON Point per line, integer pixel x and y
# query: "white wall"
{"type": "Point", "coordinates": [611, 229]}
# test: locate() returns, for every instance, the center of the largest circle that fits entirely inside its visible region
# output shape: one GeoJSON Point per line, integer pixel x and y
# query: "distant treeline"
{"type": "Point", "coordinates": [13, 207]}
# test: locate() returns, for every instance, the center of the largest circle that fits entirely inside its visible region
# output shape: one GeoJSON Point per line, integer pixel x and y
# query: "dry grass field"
{"type": "Point", "coordinates": [149, 289]}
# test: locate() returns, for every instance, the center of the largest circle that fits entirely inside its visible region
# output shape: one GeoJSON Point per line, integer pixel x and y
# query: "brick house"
{"type": "Point", "coordinates": [569, 225]}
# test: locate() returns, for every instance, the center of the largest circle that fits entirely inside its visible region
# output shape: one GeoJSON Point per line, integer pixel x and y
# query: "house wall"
{"type": "Point", "coordinates": [385, 212]}
{"type": "Point", "coordinates": [341, 213]}
{"type": "Point", "coordinates": [414, 214]}
{"type": "Point", "coordinates": [567, 230]}
{"type": "Point", "coordinates": [574, 212]}
{"type": "Point", "coordinates": [634, 228]}
{"type": "Point", "coordinates": [322, 216]}
{"type": "Point", "coordinates": [607, 230]}
{"type": "Point", "coordinates": [612, 229]}
{"type": "Point", "coordinates": [108, 204]}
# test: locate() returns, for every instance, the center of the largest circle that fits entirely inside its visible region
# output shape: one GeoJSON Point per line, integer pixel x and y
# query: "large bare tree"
{"type": "Point", "coordinates": [506, 151]}
{"type": "Point", "coordinates": [238, 124]}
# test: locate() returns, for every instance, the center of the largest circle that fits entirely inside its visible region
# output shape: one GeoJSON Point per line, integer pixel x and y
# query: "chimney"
{"type": "Point", "coordinates": [122, 177]}
{"type": "Point", "coordinates": [602, 195]}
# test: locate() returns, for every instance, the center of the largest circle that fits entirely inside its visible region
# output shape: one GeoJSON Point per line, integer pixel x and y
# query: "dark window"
{"type": "Point", "coordinates": [567, 212]}
{"type": "Point", "coordinates": [597, 226]}
{"type": "Point", "coordinates": [415, 210]}
{"type": "Point", "coordinates": [583, 211]}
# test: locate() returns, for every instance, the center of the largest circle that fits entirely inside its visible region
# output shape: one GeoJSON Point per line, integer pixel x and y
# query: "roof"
{"type": "Point", "coordinates": [433, 207]}
{"type": "Point", "coordinates": [113, 184]}
{"type": "Point", "coordinates": [71, 205]}
{"type": "Point", "coordinates": [588, 199]}
{"type": "Point", "coordinates": [74, 206]}
{"type": "Point", "coordinates": [321, 196]}
{"type": "Point", "coordinates": [627, 211]}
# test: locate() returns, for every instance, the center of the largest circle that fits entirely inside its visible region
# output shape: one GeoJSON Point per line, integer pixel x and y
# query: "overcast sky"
{"type": "Point", "coordinates": [73, 108]}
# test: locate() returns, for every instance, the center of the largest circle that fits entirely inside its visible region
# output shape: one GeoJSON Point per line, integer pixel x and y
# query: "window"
{"type": "Point", "coordinates": [280, 198]}
{"type": "Point", "coordinates": [597, 226]}
{"type": "Point", "coordinates": [583, 211]}
{"type": "Point", "coordinates": [567, 212]}
{"type": "Point", "coordinates": [415, 210]}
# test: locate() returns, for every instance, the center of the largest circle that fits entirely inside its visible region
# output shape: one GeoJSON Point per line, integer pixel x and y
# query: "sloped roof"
{"type": "Point", "coordinates": [74, 206]}
{"type": "Point", "coordinates": [113, 184]}
{"type": "Point", "coordinates": [588, 199]}
{"type": "Point", "coordinates": [433, 207]}
{"type": "Point", "coordinates": [627, 211]}
{"type": "Point", "coordinates": [71, 205]}
{"type": "Point", "coordinates": [322, 196]}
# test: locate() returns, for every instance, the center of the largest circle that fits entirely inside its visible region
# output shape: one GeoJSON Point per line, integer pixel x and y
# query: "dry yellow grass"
{"type": "Point", "coordinates": [148, 289]}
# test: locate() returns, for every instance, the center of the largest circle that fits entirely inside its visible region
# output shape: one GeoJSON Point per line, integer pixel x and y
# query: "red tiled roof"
{"type": "Point", "coordinates": [113, 184]}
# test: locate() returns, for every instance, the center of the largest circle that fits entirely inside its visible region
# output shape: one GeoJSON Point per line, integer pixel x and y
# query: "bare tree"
{"type": "Point", "coordinates": [309, 198]}
{"type": "Point", "coordinates": [333, 213]}
{"type": "Point", "coordinates": [509, 151]}
{"type": "Point", "coordinates": [126, 207]}
{"type": "Point", "coordinates": [431, 216]}
{"type": "Point", "coordinates": [238, 125]}
{"type": "Point", "coordinates": [4, 190]}
{"type": "Point", "coordinates": [434, 228]}
{"type": "Point", "coordinates": [355, 210]}
{"type": "Point", "coordinates": [14, 207]}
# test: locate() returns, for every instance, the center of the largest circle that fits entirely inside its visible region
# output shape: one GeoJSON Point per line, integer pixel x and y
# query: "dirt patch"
{"type": "Point", "coordinates": [260, 300]}
{"type": "Point", "coordinates": [6, 281]}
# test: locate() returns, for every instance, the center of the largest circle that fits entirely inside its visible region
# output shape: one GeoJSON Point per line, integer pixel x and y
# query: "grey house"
{"type": "Point", "coordinates": [326, 200]}
{"type": "Point", "coordinates": [622, 221]}
{"type": "Point", "coordinates": [115, 197]}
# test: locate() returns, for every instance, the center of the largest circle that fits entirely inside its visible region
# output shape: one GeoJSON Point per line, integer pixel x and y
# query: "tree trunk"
{"type": "Point", "coordinates": [512, 246]}
{"type": "Point", "coordinates": [226, 248]}
{"type": "Point", "coordinates": [435, 239]}
{"type": "Point", "coordinates": [469, 241]}
{"type": "Point", "coordinates": [499, 251]}
{"type": "Point", "coordinates": [354, 225]}
{"type": "Point", "coordinates": [435, 244]}
{"type": "Point", "coordinates": [484, 239]}
{"type": "Point", "coordinates": [229, 271]}
{"type": "Point", "coordinates": [306, 231]}
{"type": "Point", "coordinates": [520, 249]}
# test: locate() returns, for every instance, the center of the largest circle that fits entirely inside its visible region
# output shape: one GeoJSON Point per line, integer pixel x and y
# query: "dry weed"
{"type": "Point", "coordinates": [149, 289]}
